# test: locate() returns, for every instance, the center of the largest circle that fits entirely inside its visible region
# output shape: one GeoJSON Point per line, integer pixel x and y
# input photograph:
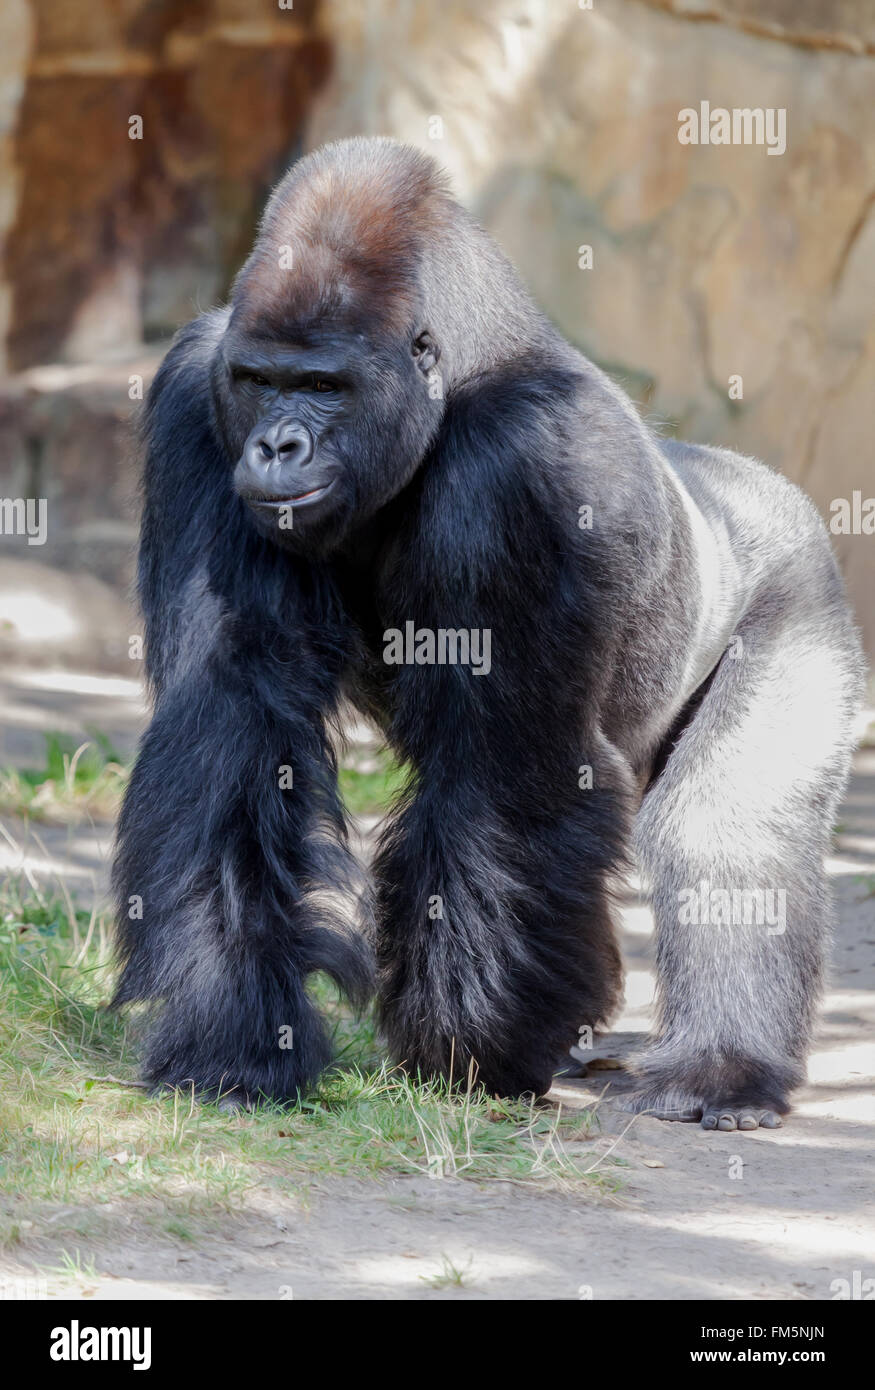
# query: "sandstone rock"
{"type": "Point", "coordinates": [68, 436]}
{"type": "Point", "coordinates": [109, 237]}
{"type": "Point", "coordinates": [48, 618]}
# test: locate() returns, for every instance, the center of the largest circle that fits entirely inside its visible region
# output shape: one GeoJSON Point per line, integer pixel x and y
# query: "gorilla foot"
{"type": "Point", "coordinates": [719, 1117]}
{"type": "Point", "coordinates": [235, 1103]}
{"type": "Point", "coordinates": [229, 1102]}
{"type": "Point", "coordinates": [690, 1110]}
{"type": "Point", "coordinates": [722, 1093]}
{"type": "Point", "coordinates": [726, 1093]}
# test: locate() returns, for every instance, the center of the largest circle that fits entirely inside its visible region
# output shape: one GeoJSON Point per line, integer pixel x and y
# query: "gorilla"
{"type": "Point", "coordinates": [380, 476]}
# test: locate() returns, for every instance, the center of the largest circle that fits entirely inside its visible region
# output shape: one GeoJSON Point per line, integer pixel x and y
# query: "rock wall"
{"type": "Point", "coordinates": [110, 238]}
{"type": "Point", "coordinates": [107, 242]}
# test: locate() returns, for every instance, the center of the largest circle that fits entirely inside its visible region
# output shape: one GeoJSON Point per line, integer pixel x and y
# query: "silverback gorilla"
{"type": "Point", "coordinates": [379, 459]}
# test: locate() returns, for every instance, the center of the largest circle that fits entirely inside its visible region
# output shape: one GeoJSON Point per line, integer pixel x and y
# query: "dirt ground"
{"type": "Point", "coordinates": [768, 1215]}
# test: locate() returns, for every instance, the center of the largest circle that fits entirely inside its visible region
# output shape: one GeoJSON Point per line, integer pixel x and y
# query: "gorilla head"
{"type": "Point", "coordinates": [366, 273]}
{"type": "Point", "coordinates": [325, 384]}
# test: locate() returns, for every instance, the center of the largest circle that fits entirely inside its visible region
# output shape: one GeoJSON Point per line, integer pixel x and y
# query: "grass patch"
{"type": "Point", "coordinates": [450, 1275]}
{"type": "Point", "coordinates": [78, 780]}
{"type": "Point", "coordinates": [83, 1143]}
{"type": "Point", "coordinates": [370, 782]}
{"type": "Point", "coordinates": [87, 780]}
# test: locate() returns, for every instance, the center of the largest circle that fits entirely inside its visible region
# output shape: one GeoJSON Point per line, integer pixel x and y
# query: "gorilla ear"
{"type": "Point", "coordinates": [426, 352]}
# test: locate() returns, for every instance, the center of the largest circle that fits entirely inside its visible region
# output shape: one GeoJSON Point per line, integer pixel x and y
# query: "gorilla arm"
{"type": "Point", "coordinates": [217, 853]}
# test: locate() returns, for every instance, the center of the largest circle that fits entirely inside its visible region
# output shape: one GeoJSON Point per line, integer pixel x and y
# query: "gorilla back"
{"type": "Point", "coordinates": [381, 474]}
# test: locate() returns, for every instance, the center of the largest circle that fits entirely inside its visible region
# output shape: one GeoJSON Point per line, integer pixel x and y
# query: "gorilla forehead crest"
{"type": "Point", "coordinates": [345, 229]}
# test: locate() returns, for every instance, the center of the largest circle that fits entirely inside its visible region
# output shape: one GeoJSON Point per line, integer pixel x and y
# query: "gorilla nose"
{"type": "Point", "coordinates": [284, 442]}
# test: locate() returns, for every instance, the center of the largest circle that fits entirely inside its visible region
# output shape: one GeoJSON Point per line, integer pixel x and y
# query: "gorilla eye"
{"type": "Point", "coordinates": [323, 384]}
{"type": "Point", "coordinates": [250, 378]}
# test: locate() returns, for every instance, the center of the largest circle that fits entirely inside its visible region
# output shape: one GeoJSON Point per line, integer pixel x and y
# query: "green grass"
{"type": "Point", "coordinates": [450, 1276]}
{"type": "Point", "coordinates": [79, 1135]}
{"type": "Point", "coordinates": [370, 787]}
{"type": "Point", "coordinates": [80, 781]}
{"type": "Point", "coordinates": [77, 781]}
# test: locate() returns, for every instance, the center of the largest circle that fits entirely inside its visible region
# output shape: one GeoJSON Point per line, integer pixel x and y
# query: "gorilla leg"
{"type": "Point", "coordinates": [733, 835]}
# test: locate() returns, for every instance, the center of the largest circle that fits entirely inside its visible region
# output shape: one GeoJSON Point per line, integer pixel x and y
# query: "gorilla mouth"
{"type": "Point", "coordinates": [303, 499]}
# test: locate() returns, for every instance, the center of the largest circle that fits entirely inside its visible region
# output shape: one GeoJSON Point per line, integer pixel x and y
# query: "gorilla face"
{"type": "Point", "coordinates": [324, 430]}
